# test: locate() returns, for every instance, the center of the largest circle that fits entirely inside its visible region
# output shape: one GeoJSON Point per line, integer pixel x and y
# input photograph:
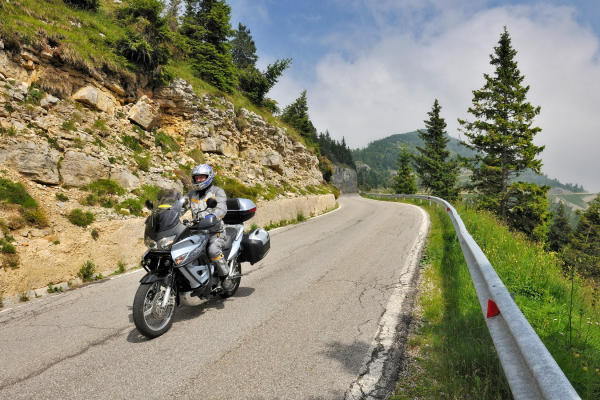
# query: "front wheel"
{"type": "Point", "coordinates": [150, 317]}
{"type": "Point", "coordinates": [230, 286]}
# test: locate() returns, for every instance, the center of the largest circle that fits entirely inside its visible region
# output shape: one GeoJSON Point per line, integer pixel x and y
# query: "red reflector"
{"type": "Point", "coordinates": [492, 310]}
{"type": "Point", "coordinates": [448, 209]}
{"type": "Point", "coordinates": [253, 209]}
{"type": "Point", "coordinates": [428, 197]}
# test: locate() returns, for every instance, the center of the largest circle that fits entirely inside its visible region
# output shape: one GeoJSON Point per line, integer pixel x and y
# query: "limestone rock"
{"type": "Point", "coordinates": [125, 178]}
{"type": "Point", "coordinates": [345, 179]}
{"type": "Point", "coordinates": [95, 98]}
{"type": "Point", "coordinates": [272, 159]}
{"type": "Point", "coordinates": [78, 169]}
{"type": "Point", "coordinates": [37, 161]}
{"type": "Point", "coordinates": [143, 113]}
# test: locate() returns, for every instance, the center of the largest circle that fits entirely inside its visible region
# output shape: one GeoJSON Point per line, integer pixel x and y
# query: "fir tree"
{"type": "Point", "coordinates": [404, 182]}
{"type": "Point", "coordinates": [243, 48]}
{"type": "Point", "coordinates": [296, 115]}
{"type": "Point", "coordinates": [558, 235]}
{"type": "Point", "coordinates": [502, 133]}
{"type": "Point", "coordinates": [583, 251]}
{"type": "Point", "coordinates": [437, 172]}
{"type": "Point", "coordinates": [172, 14]}
{"type": "Point", "coordinates": [207, 27]}
{"type": "Point", "coordinates": [256, 84]}
{"type": "Point", "coordinates": [528, 209]}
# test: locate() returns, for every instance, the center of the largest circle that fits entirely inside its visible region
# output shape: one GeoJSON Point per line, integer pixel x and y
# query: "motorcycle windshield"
{"type": "Point", "coordinates": [167, 210]}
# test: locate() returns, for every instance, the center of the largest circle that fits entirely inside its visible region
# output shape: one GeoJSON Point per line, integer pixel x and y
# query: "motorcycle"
{"type": "Point", "coordinates": [179, 271]}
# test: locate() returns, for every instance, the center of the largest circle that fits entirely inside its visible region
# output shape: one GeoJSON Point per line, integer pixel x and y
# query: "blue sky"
{"type": "Point", "coordinates": [373, 68]}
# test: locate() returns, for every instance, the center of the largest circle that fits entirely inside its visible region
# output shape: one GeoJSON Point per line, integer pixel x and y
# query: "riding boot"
{"type": "Point", "coordinates": [221, 266]}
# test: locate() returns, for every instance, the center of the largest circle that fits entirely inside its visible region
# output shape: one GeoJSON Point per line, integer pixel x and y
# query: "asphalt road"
{"type": "Point", "coordinates": [303, 325]}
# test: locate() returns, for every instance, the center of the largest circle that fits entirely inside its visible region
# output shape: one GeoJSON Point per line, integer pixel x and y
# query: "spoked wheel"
{"type": "Point", "coordinates": [150, 317]}
{"type": "Point", "coordinates": [230, 286]}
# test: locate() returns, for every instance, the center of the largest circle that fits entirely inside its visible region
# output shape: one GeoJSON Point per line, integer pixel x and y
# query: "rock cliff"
{"type": "Point", "coordinates": [345, 180]}
{"type": "Point", "coordinates": [61, 129]}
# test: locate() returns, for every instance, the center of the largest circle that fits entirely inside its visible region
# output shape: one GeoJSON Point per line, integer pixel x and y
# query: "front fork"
{"type": "Point", "coordinates": [168, 280]}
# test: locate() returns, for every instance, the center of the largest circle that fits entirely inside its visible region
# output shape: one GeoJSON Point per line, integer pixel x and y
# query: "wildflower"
{"type": "Point", "coordinates": [576, 354]}
{"type": "Point", "coordinates": [585, 368]}
{"type": "Point", "coordinates": [597, 370]}
{"type": "Point", "coordinates": [555, 319]}
{"type": "Point", "coordinates": [562, 334]}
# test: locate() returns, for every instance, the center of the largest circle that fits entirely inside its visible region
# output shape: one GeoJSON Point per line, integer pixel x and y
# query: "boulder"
{"type": "Point", "coordinates": [208, 145]}
{"type": "Point", "coordinates": [125, 178]}
{"type": "Point", "coordinates": [178, 89]}
{"type": "Point", "coordinates": [96, 98]}
{"type": "Point", "coordinates": [79, 169]}
{"type": "Point", "coordinates": [37, 161]}
{"type": "Point", "coordinates": [272, 159]}
{"type": "Point", "coordinates": [143, 113]}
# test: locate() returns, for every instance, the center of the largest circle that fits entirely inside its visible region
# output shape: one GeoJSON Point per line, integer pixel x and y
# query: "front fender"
{"type": "Point", "coordinates": [154, 277]}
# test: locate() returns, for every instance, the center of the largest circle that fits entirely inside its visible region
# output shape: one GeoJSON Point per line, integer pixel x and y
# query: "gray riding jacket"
{"type": "Point", "coordinates": [197, 202]}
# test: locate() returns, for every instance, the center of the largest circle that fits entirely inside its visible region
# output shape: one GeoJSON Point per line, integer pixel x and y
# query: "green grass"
{"type": "Point", "coordinates": [457, 356]}
{"type": "Point", "coordinates": [166, 142]}
{"type": "Point", "coordinates": [80, 218]}
{"type": "Point", "coordinates": [15, 193]}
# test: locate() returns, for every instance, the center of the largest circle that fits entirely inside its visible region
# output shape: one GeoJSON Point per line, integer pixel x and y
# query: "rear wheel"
{"type": "Point", "coordinates": [230, 286]}
{"type": "Point", "coordinates": [150, 317]}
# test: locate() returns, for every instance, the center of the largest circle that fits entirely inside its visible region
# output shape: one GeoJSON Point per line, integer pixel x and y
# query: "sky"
{"type": "Point", "coordinates": [373, 68]}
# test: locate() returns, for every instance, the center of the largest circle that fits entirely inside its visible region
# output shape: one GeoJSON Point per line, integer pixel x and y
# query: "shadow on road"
{"type": "Point", "coordinates": [350, 356]}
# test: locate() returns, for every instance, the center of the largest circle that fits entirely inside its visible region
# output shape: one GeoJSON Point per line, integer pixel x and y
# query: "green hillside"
{"type": "Point", "coordinates": [380, 156]}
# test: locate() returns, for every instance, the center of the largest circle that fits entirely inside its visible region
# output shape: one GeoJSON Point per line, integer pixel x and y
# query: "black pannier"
{"type": "Point", "coordinates": [239, 211]}
{"type": "Point", "coordinates": [255, 245]}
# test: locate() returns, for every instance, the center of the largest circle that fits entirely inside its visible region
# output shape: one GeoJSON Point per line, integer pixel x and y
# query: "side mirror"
{"type": "Point", "coordinates": [185, 203]}
{"type": "Point", "coordinates": [211, 203]}
{"type": "Point", "coordinates": [149, 205]}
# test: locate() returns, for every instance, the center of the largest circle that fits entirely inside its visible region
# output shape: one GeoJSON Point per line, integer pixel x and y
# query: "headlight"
{"type": "Point", "coordinates": [151, 244]}
{"type": "Point", "coordinates": [166, 242]}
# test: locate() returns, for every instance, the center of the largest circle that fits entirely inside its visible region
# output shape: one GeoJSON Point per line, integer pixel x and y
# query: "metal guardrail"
{"type": "Point", "coordinates": [531, 371]}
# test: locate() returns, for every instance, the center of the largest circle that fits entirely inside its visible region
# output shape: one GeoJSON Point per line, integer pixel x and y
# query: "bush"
{"type": "Point", "coordinates": [37, 217]}
{"type": "Point", "coordinates": [147, 192]}
{"type": "Point", "coordinates": [80, 218]}
{"type": "Point", "coordinates": [144, 162]}
{"type": "Point", "coordinates": [133, 205]}
{"type": "Point", "coordinates": [15, 193]}
{"type": "Point", "coordinates": [7, 248]}
{"type": "Point", "coordinates": [95, 234]}
{"type": "Point", "coordinates": [61, 197]}
{"type": "Point", "coordinates": [121, 268]}
{"type": "Point", "coordinates": [234, 188]}
{"type": "Point", "coordinates": [103, 187]}
{"type": "Point", "coordinates": [91, 5]}
{"type": "Point", "coordinates": [11, 260]}
{"type": "Point", "coordinates": [87, 271]}
{"type": "Point", "coordinates": [166, 142]}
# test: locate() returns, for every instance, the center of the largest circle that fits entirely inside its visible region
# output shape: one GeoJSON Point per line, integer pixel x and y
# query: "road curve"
{"type": "Point", "coordinates": [302, 325]}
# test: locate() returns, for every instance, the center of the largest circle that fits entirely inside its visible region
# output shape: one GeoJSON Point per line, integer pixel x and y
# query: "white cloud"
{"type": "Point", "coordinates": [389, 86]}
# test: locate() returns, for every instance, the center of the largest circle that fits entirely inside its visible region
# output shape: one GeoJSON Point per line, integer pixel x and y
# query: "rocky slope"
{"type": "Point", "coordinates": [62, 129]}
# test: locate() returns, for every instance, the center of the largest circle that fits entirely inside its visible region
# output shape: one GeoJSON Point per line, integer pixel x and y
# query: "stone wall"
{"type": "Point", "coordinates": [345, 180]}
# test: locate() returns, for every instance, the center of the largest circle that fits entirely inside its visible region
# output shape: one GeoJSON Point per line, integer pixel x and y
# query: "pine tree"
{"type": "Point", "coordinates": [502, 134]}
{"type": "Point", "coordinates": [256, 84]}
{"type": "Point", "coordinates": [404, 182]}
{"type": "Point", "coordinates": [437, 172]}
{"type": "Point", "coordinates": [558, 235]}
{"type": "Point", "coordinates": [528, 209]}
{"type": "Point", "coordinates": [583, 251]}
{"type": "Point", "coordinates": [172, 14]}
{"type": "Point", "coordinates": [296, 115]}
{"type": "Point", "coordinates": [243, 48]}
{"type": "Point", "coordinates": [207, 27]}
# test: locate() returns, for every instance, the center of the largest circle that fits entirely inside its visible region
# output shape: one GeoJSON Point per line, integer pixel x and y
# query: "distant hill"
{"type": "Point", "coordinates": [383, 153]}
{"type": "Point", "coordinates": [376, 163]}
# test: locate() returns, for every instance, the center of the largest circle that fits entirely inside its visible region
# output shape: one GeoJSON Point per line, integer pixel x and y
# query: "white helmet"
{"type": "Point", "coordinates": [206, 170]}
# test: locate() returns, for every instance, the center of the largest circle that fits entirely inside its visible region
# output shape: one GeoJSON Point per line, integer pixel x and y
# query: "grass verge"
{"type": "Point", "coordinates": [454, 353]}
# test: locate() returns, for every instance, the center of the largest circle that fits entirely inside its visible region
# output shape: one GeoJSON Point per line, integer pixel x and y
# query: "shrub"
{"type": "Point", "coordinates": [11, 260]}
{"type": "Point", "coordinates": [95, 234]}
{"type": "Point", "coordinates": [15, 193]}
{"type": "Point", "coordinates": [144, 162]}
{"type": "Point", "coordinates": [166, 142]}
{"type": "Point", "coordinates": [37, 217]}
{"type": "Point", "coordinates": [100, 125]}
{"type": "Point", "coordinates": [55, 289]}
{"type": "Point", "coordinates": [80, 218]}
{"type": "Point", "coordinates": [34, 96]}
{"type": "Point", "coordinates": [197, 155]}
{"type": "Point", "coordinates": [87, 271]}
{"type": "Point", "coordinates": [147, 192]}
{"type": "Point", "coordinates": [7, 248]}
{"type": "Point", "coordinates": [68, 126]}
{"type": "Point", "coordinates": [90, 5]}
{"type": "Point", "coordinates": [121, 268]}
{"type": "Point", "coordinates": [300, 217]}
{"type": "Point", "coordinates": [132, 143]}
{"type": "Point", "coordinates": [133, 205]}
{"type": "Point", "coordinates": [233, 188]}
{"type": "Point", "coordinates": [103, 187]}
{"type": "Point", "coordinates": [23, 297]}
{"type": "Point", "coordinates": [61, 197]}
{"type": "Point", "coordinates": [56, 242]}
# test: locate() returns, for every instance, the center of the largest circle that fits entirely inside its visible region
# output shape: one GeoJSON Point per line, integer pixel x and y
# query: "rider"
{"type": "Point", "coordinates": [202, 179]}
